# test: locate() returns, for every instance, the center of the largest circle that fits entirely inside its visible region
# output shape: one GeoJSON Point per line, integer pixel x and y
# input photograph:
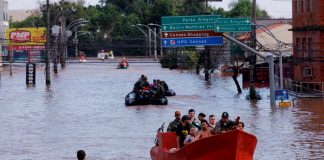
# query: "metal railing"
{"type": "Point", "coordinates": [304, 89]}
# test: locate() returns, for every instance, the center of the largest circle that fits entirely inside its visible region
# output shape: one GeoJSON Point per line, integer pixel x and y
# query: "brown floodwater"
{"type": "Point", "coordinates": [84, 109]}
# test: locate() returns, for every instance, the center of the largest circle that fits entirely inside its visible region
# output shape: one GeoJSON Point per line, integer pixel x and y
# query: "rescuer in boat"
{"type": "Point", "coordinates": [139, 85]}
{"type": "Point", "coordinates": [173, 125]}
{"type": "Point", "coordinates": [224, 124]}
{"type": "Point", "coordinates": [182, 130]}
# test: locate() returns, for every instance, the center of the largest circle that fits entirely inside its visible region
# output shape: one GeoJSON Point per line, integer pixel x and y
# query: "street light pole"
{"type": "Point", "coordinates": [160, 33]}
{"type": "Point", "coordinates": [76, 42]}
{"type": "Point", "coordinates": [150, 50]}
{"type": "Point", "coordinates": [155, 45]}
{"type": "Point", "coordinates": [47, 51]}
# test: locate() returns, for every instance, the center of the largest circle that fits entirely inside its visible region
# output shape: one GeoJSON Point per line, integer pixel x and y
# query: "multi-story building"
{"type": "Point", "coordinates": [308, 41]}
{"type": "Point", "coordinates": [4, 20]}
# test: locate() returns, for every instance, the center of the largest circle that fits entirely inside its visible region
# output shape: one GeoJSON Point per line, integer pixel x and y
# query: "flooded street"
{"type": "Point", "coordinates": [84, 109]}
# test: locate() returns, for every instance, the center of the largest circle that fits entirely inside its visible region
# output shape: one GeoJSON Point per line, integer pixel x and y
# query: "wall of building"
{"type": "Point", "coordinates": [308, 40]}
{"type": "Point", "coordinates": [4, 19]}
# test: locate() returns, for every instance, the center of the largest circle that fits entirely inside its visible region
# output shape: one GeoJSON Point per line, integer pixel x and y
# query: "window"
{"type": "Point", "coordinates": [297, 6]}
{"type": "Point", "coordinates": [304, 49]}
{"type": "Point", "coordinates": [310, 5]}
{"type": "Point", "coordinates": [307, 71]}
{"type": "Point", "coordinates": [304, 5]}
{"type": "Point", "coordinates": [310, 48]}
{"type": "Point", "coordinates": [297, 47]}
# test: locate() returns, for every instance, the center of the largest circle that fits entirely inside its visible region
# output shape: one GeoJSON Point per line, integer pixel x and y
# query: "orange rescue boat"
{"type": "Point", "coordinates": [232, 145]}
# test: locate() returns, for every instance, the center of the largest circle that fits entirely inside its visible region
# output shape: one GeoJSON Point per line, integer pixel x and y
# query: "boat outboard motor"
{"type": "Point", "coordinates": [156, 141]}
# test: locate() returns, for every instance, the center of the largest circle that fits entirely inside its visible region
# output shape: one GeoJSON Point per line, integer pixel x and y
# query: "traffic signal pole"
{"type": "Point", "coordinates": [268, 58]}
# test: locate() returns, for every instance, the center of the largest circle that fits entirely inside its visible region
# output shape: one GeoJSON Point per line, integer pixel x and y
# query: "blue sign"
{"type": "Point", "coordinates": [198, 41]}
{"type": "Point", "coordinates": [281, 95]}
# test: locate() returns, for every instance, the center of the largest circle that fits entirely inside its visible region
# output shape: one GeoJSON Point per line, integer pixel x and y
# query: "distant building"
{"type": "Point", "coordinates": [4, 20]}
{"type": "Point", "coordinates": [308, 42]}
{"type": "Point", "coordinates": [18, 15]}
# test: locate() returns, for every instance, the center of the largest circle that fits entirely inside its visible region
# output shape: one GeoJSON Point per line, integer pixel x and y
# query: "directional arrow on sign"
{"type": "Point", "coordinates": [166, 35]}
{"type": "Point", "coordinates": [217, 28]}
{"type": "Point", "coordinates": [165, 42]}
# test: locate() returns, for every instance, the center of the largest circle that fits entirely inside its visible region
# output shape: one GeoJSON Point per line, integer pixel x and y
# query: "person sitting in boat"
{"type": "Point", "coordinates": [240, 126]}
{"type": "Point", "coordinates": [205, 130]}
{"type": "Point", "coordinates": [165, 86]}
{"type": "Point", "coordinates": [191, 136]}
{"type": "Point", "coordinates": [123, 62]}
{"type": "Point", "coordinates": [182, 130]}
{"type": "Point", "coordinates": [224, 124]}
{"type": "Point", "coordinates": [173, 125]}
{"type": "Point", "coordinates": [153, 85]}
{"type": "Point", "coordinates": [159, 90]}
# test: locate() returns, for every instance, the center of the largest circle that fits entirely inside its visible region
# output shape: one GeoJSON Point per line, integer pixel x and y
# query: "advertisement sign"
{"type": "Point", "coordinates": [26, 36]}
{"type": "Point", "coordinates": [28, 44]}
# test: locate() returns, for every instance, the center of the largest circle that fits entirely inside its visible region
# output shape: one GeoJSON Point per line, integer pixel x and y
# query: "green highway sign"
{"type": "Point", "coordinates": [188, 27]}
{"type": "Point", "coordinates": [233, 21]}
{"type": "Point", "coordinates": [205, 22]}
{"type": "Point", "coordinates": [232, 25]}
{"type": "Point", "coordinates": [189, 19]}
{"type": "Point", "coordinates": [233, 28]}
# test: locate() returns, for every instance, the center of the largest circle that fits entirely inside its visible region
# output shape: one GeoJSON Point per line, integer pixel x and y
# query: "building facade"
{"type": "Point", "coordinates": [4, 19]}
{"type": "Point", "coordinates": [308, 42]}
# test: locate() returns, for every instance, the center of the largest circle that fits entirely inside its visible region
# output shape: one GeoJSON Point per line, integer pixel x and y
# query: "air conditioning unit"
{"type": "Point", "coordinates": [308, 71]}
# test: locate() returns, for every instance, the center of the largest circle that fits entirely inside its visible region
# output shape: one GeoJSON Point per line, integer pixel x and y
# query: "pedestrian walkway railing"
{"type": "Point", "coordinates": [304, 89]}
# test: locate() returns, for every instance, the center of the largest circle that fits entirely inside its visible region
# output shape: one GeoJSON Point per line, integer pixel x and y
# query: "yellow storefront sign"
{"type": "Point", "coordinates": [284, 104]}
{"type": "Point", "coordinates": [26, 36]}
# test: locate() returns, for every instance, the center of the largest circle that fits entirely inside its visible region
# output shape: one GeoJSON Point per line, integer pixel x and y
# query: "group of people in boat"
{"type": "Point", "coordinates": [189, 129]}
{"type": "Point", "coordinates": [156, 89]}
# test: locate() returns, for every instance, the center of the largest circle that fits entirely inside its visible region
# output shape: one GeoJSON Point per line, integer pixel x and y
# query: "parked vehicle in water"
{"type": "Point", "coordinates": [232, 145]}
{"type": "Point", "coordinates": [102, 55]}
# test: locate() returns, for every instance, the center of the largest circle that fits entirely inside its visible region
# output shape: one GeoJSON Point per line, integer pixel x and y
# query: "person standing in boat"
{"type": "Point", "coordinates": [182, 130]}
{"type": "Point", "coordinates": [212, 121]}
{"type": "Point", "coordinates": [173, 125]}
{"type": "Point", "coordinates": [224, 124]}
{"type": "Point", "coordinates": [193, 121]}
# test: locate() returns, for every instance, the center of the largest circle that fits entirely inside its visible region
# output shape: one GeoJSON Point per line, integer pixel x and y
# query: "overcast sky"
{"type": "Point", "coordinates": [275, 8]}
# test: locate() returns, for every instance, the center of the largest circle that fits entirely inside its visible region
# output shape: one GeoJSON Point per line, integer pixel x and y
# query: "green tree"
{"type": "Point", "coordinates": [243, 8]}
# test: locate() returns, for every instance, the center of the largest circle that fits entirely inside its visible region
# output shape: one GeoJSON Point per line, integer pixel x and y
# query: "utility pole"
{"type": "Point", "coordinates": [63, 40]}
{"type": "Point", "coordinates": [253, 94]}
{"type": "Point", "coordinates": [47, 50]}
{"type": "Point", "coordinates": [207, 53]}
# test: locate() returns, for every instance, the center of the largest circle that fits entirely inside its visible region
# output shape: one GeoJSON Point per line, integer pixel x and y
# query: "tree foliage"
{"type": "Point", "coordinates": [113, 19]}
{"type": "Point", "coordinates": [243, 8]}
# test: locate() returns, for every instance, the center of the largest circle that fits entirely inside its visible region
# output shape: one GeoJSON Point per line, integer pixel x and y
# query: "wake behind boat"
{"type": "Point", "coordinates": [232, 145]}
